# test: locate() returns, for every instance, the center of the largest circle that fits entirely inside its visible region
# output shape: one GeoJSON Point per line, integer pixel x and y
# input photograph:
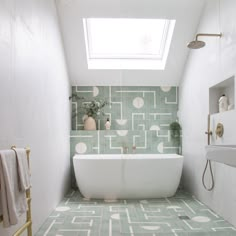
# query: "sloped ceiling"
{"type": "Point", "coordinates": [186, 12]}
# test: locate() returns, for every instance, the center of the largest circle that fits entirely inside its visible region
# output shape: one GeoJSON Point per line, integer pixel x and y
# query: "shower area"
{"type": "Point", "coordinates": [210, 74]}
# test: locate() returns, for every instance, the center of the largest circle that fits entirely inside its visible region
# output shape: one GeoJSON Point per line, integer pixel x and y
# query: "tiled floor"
{"type": "Point", "coordinates": [177, 216]}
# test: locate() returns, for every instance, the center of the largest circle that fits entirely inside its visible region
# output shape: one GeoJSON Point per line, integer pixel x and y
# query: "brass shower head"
{"type": "Point", "coordinates": [196, 44]}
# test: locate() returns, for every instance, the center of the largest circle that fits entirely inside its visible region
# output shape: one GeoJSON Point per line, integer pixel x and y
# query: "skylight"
{"type": "Point", "coordinates": [115, 43]}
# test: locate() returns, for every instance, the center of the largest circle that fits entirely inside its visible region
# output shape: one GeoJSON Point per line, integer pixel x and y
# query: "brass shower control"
{"type": "Point", "coordinates": [219, 130]}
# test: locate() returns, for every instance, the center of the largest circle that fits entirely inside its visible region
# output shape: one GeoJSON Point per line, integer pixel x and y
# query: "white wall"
{"type": "Point", "coordinates": [34, 105]}
{"type": "Point", "coordinates": [206, 67]}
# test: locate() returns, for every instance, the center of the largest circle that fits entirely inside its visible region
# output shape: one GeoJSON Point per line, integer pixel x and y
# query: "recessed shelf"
{"type": "Point", "coordinates": [226, 87]}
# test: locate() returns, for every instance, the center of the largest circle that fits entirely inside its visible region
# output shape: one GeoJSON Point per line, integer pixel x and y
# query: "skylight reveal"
{"type": "Point", "coordinates": [115, 43]}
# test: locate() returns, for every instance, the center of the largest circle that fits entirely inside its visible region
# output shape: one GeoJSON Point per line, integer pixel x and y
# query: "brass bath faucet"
{"type": "Point", "coordinates": [126, 149]}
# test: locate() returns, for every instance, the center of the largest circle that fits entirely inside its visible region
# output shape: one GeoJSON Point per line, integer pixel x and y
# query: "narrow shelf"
{"type": "Point", "coordinates": [225, 113]}
{"type": "Point", "coordinates": [226, 87]}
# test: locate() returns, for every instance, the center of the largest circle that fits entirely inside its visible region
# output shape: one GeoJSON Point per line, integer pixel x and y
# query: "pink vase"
{"type": "Point", "coordinates": [90, 124]}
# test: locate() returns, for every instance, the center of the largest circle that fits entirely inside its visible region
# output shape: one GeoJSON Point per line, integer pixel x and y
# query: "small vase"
{"type": "Point", "coordinates": [90, 124]}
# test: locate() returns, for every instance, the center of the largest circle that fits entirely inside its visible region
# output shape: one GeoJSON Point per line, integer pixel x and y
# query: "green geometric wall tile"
{"type": "Point", "coordinates": [122, 141]}
{"type": "Point", "coordinates": [131, 107]}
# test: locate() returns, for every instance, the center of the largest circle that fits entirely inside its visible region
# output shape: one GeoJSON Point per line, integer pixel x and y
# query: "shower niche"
{"type": "Point", "coordinates": [226, 87]}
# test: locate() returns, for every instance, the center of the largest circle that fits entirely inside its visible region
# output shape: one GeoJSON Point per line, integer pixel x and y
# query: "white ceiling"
{"type": "Point", "coordinates": [186, 12]}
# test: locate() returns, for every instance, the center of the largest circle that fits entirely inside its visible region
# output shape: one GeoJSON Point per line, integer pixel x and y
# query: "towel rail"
{"type": "Point", "coordinates": [28, 223]}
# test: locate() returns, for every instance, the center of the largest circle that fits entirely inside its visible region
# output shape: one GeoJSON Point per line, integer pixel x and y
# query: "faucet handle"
{"type": "Point", "coordinates": [125, 149]}
{"type": "Point", "coordinates": [134, 149]}
{"type": "Point", "coordinates": [208, 132]}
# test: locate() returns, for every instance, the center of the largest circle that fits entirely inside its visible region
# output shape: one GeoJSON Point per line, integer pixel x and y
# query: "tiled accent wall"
{"type": "Point", "coordinates": [122, 141]}
{"type": "Point", "coordinates": [140, 118]}
{"type": "Point", "coordinates": [130, 108]}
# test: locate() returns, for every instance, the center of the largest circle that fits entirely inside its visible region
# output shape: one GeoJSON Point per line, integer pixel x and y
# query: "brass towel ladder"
{"type": "Point", "coordinates": [28, 223]}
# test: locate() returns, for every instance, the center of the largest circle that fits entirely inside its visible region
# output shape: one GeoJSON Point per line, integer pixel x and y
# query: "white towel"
{"type": "Point", "coordinates": [13, 202]}
{"type": "Point", "coordinates": [23, 169]}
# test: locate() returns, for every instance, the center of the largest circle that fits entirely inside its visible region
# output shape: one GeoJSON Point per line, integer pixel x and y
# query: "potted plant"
{"type": "Point", "coordinates": [90, 110]}
{"type": "Point", "coordinates": [175, 130]}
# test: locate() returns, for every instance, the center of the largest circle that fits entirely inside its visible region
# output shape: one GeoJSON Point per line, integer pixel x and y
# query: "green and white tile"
{"type": "Point", "coordinates": [180, 215]}
{"type": "Point", "coordinates": [140, 117]}
{"type": "Point", "coordinates": [114, 141]}
{"type": "Point", "coordinates": [130, 107]}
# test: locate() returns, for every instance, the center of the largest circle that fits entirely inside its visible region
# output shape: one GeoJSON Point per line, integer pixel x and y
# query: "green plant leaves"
{"type": "Point", "coordinates": [91, 108]}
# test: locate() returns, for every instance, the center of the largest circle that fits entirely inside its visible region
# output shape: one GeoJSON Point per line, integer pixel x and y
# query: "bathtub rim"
{"type": "Point", "coordinates": [127, 156]}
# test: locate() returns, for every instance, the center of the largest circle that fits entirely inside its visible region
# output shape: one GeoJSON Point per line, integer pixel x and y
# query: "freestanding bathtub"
{"type": "Point", "coordinates": [128, 175]}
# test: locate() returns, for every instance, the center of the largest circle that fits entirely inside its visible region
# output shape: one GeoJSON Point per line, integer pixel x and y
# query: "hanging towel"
{"type": "Point", "coordinates": [13, 202]}
{"type": "Point", "coordinates": [0, 200]}
{"type": "Point", "coordinates": [22, 169]}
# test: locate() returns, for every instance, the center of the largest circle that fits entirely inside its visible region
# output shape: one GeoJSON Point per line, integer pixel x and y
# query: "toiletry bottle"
{"type": "Point", "coordinates": [223, 103]}
{"type": "Point", "coordinates": [108, 124]}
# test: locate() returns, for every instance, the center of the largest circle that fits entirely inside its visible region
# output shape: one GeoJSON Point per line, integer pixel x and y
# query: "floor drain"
{"type": "Point", "coordinates": [184, 218]}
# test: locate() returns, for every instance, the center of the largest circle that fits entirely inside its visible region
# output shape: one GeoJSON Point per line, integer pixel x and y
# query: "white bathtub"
{"type": "Point", "coordinates": [128, 176]}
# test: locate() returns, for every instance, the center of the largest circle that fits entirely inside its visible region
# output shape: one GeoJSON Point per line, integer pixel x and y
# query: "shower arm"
{"type": "Point", "coordinates": [210, 35]}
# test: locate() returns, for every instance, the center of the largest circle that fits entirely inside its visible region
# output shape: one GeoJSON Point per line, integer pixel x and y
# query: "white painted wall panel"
{"type": "Point", "coordinates": [34, 105]}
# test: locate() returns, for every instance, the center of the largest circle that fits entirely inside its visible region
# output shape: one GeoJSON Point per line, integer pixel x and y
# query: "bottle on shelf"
{"type": "Point", "coordinates": [223, 103]}
{"type": "Point", "coordinates": [108, 124]}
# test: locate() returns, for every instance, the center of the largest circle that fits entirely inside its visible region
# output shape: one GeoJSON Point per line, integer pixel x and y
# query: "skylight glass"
{"type": "Point", "coordinates": [127, 43]}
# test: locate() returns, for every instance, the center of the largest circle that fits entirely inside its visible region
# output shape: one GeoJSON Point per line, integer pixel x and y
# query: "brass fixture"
{"type": "Point", "coordinates": [196, 44]}
{"type": "Point", "coordinates": [208, 132]}
{"type": "Point", "coordinates": [219, 130]}
{"type": "Point", "coordinates": [125, 150]}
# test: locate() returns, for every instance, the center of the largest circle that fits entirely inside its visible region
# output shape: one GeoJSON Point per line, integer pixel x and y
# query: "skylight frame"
{"type": "Point", "coordinates": [145, 61]}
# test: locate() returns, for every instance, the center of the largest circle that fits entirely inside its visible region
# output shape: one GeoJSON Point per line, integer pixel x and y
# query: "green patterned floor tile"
{"type": "Point", "coordinates": [181, 215]}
